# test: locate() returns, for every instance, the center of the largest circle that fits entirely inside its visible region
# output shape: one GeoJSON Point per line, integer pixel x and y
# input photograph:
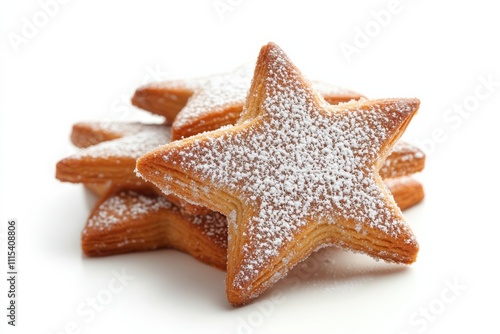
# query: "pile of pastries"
{"type": "Point", "coordinates": [250, 172]}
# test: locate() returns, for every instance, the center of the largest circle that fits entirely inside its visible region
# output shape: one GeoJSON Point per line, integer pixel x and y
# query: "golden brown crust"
{"type": "Point", "coordinates": [162, 101]}
{"type": "Point", "coordinates": [84, 135]}
{"type": "Point", "coordinates": [96, 170]}
{"type": "Point", "coordinates": [207, 122]}
{"type": "Point", "coordinates": [125, 220]}
{"type": "Point", "coordinates": [406, 190]}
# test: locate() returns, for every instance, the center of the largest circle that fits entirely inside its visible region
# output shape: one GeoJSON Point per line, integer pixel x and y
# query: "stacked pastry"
{"type": "Point", "coordinates": [251, 172]}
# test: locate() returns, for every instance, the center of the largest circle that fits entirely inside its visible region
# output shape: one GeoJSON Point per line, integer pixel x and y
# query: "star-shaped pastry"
{"type": "Point", "coordinates": [126, 220]}
{"type": "Point", "coordinates": [294, 175]}
{"type": "Point", "coordinates": [206, 104]}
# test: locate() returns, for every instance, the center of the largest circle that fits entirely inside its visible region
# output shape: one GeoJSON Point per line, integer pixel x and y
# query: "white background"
{"type": "Point", "coordinates": [89, 56]}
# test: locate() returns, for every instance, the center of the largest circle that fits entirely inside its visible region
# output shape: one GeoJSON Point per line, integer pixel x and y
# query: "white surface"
{"type": "Point", "coordinates": [84, 65]}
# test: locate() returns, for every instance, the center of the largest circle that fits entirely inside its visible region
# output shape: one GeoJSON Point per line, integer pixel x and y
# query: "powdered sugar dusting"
{"type": "Point", "coordinates": [213, 225]}
{"type": "Point", "coordinates": [408, 151]}
{"type": "Point", "coordinates": [133, 145]}
{"type": "Point", "coordinates": [216, 93]}
{"type": "Point", "coordinates": [127, 205]}
{"type": "Point", "coordinates": [299, 165]}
